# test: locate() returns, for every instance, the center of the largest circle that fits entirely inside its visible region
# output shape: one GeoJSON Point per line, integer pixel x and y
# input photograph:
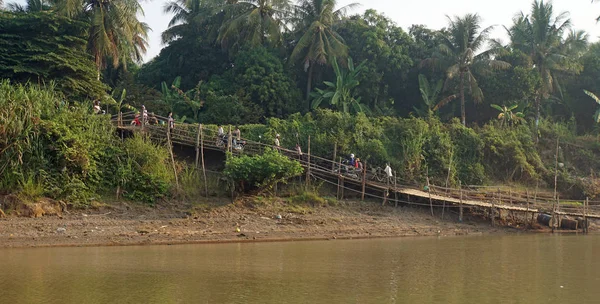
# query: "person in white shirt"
{"type": "Point", "coordinates": [220, 131]}
{"type": "Point", "coordinates": [277, 143]}
{"type": "Point", "coordinates": [388, 171]}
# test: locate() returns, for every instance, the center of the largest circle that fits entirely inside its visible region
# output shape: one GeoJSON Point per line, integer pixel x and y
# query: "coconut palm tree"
{"type": "Point", "coordinates": [255, 22]}
{"type": "Point", "coordinates": [30, 6]}
{"type": "Point", "coordinates": [115, 33]}
{"type": "Point", "coordinates": [318, 42]}
{"type": "Point", "coordinates": [194, 18]}
{"type": "Point", "coordinates": [541, 36]}
{"type": "Point", "coordinates": [459, 51]}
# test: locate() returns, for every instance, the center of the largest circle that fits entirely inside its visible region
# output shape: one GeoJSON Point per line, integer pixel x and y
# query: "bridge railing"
{"type": "Point", "coordinates": [189, 134]}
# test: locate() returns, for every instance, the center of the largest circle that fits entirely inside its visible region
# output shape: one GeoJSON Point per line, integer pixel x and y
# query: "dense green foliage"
{"type": "Point", "coordinates": [261, 171]}
{"type": "Point", "coordinates": [252, 62]}
{"type": "Point", "coordinates": [69, 152]}
{"type": "Point", "coordinates": [42, 47]}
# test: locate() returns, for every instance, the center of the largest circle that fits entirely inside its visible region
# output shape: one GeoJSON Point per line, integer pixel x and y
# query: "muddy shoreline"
{"type": "Point", "coordinates": [123, 224]}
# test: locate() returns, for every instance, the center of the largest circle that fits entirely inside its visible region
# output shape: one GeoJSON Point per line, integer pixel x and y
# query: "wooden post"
{"type": "Point", "coordinates": [339, 179]}
{"type": "Point", "coordinates": [120, 119]}
{"type": "Point", "coordinates": [172, 157]}
{"type": "Point", "coordinates": [334, 156]}
{"type": "Point", "coordinates": [429, 192]}
{"type": "Point", "coordinates": [558, 211]}
{"type": "Point", "coordinates": [553, 220]}
{"type": "Point", "coordinates": [198, 145]}
{"type": "Point", "coordinates": [342, 196]}
{"type": "Point", "coordinates": [585, 224]}
{"type": "Point", "coordinates": [395, 189]}
{"type": "Point", "coordinates": [364, 180]}
{"type": "Point", "coordinates": [308, 165]}
{"type": "Point", "coordinates": [229, 141]}
{"type": "Point", "coordinates": [556, 169]}
{"type": "Point", "coordinates": [338, 188]}
{"type": "Point", "coordinates": [202, 154]}
{"type": "Point", "coordinates": [386, 193]}
{"type": "Point", "coordinates": [527, 213]}
{"type": "Point", "coordinates": [460, 206]}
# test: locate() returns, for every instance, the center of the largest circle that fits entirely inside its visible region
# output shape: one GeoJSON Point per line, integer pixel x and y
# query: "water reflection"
{"type": "Point", "coordinates": [498, 269]}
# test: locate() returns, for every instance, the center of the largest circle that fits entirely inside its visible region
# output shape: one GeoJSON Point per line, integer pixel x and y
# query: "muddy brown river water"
{"type": "Point", "coordinates": [477, 269]}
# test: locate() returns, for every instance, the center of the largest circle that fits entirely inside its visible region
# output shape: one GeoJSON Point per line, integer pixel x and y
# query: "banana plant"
{"type": "Point", "coordinates": [195, 102]}
{"type": "Point", "coordinates": [340, 94]}
{"type": "Point", "coordinates": [119, 104]}
{"type": "Point", "coordinates": [507, 116]}
{"type": "Point", "coordinates": [430, 95]}
{"type": "Point", "coordinates": [170, 97]}
{"type": "Point", "coordinates": [597, 100]}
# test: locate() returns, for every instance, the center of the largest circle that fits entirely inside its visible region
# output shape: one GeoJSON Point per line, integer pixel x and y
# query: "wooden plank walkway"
{"type": "Point", "coordinates": [321, 168]}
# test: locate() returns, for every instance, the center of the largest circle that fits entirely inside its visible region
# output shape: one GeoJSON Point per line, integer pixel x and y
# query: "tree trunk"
{"type": "Point", "coordinates": [463, 115]}
{"type": "Point", "coordinates": [309, 86]}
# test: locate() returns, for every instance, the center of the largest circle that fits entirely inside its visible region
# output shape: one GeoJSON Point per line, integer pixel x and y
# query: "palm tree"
{"type": "Point", "coordinates": [194, 18]}
{"type": "Point", "coordinates": [459, 50]}
{"type": "Point", "coordinates": [318, 41]}
{"type": "Point", "coordinates": [115, 32]}
{"type": "Point", "coordinates": [254, 22]}
{"type": "Point", "coordinates": [540, 36]}
{"type": "Point", "coordinates": [30, 6]}
{"type": "Point", "coordinates": [341, 93]}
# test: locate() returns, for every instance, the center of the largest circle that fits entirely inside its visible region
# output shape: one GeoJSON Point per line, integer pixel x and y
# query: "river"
{"type": "Point", "coordinates": [476, 269]}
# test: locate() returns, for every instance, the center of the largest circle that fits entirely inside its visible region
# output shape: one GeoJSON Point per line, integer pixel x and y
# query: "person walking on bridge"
{"type": "Point", "coordinates": [277, 143]}
{"type": "Point", "coordinates": [171, 122]}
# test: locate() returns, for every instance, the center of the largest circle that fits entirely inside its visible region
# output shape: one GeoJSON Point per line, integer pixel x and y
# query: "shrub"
{"type": "Point", "coordinates": [261, 172]}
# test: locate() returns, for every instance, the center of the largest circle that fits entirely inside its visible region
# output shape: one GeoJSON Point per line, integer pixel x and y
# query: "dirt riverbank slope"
{"type": "Point", "coordinates": [131, 224]}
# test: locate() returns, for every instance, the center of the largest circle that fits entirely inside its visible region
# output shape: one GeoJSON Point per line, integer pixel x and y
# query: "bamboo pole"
{"type": "Point", "coordinates": [202, 154]}
{"type": "Point", "coordinates": [553, 220]}
{"type": "Point", "coordinates": [460, 214]}
{"type": "Point", "coordinates": [229, 141]}
{"type": "Point", "coordinates": [342, 196]}
{"type": "Point", "coordinates": [198, 145]}
{"type": "Point", "coordinates": [527, 213]}
{"type": "Point", "coordinates": [364, 180]}
{"type": "Point", "coordinates": [172, 157]}
{"type": "Point", "coordinates": [585, 224]}
{"type": "Point", "coordinates": [339, 179]}
{"type": "Point", "coordinates": [429, 192]}
{"type": "Point", "coordinates": [334, 156]}
{"type": "Point", "coordinates": [395, 189]}
{"type": "Point", "coordinates": [308, 164]}
{"type": "Point", "coordinates": [556, 169]}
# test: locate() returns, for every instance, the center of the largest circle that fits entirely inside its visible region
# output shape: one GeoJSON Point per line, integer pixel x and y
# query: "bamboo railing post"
{"type": "Point", "coordinates": [556, 169]}
{"type": "Point", "coordinates": [342, 194]}
{"type": "Point", "coordinates": [527, 213]}
{"type": "Point", "coordinates": [198, 145]}
{"type": "Point", "coordinates": [585, 224]}
{"type": "Point", "coordinates": [553, 220]}
{"type": "Point", "coordinates": [460, 212]}
{"type": "Point", "coordinates": [308, 165]}
{"type": "Point", "coordinates": [229, 141]}
{"type": "Point", "coordinates": [334, 156]}
{"type": "Point", "coordinates": [429, 193]}
{"type": "Point", "coordinates": [202, 155]}
{"type": "Point", "coordinates": [395, 189]}
{"type": "Point", "coordinates": [172, 157]}
{"type": "Point", "coordinates": [364, 180]}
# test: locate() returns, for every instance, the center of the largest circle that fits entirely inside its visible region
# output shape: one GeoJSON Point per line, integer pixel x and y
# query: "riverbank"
{"type": "Point", "coordinates": [256, 220]}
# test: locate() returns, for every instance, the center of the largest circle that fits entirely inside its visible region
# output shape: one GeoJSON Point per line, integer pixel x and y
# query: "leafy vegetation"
{"type": "Point", "coordinates": [261, 171]}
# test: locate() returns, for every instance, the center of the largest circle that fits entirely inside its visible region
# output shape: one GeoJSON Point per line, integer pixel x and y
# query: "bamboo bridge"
{"type": "Point", "coordinates": [490, 201]}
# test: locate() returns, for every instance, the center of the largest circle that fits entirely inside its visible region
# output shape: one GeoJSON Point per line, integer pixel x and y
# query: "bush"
{"type": "Point", "coordinates": [260, 172]}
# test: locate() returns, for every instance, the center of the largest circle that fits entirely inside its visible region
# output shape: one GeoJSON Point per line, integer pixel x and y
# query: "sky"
{"type": "Point", "coordinates": [431, 13]}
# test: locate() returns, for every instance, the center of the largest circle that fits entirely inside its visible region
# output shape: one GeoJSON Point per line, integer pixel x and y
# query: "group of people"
{"type": "Point", "coordinates": [150, 119]}
{"type": "Point", "coordinates": [236, 137]}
